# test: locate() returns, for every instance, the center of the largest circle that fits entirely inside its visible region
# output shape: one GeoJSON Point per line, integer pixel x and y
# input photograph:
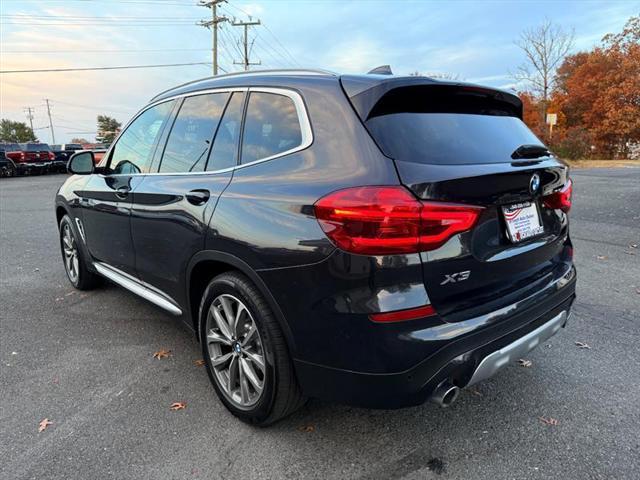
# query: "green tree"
{"type": "Point", "coordinates": [15, 132]}
{"type": "Point", "coordinates": [108, 128]}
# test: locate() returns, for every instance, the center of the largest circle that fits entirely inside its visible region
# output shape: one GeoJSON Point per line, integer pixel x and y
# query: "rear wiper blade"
{"type": "Point", "coordinates": [530, 151]}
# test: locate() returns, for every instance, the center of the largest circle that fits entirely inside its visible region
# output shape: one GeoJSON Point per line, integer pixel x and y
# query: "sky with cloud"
{"type": "Point", "coordinates": [470, 39]}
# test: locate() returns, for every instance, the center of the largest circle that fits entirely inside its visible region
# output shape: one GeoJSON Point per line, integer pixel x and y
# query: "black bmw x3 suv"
{"type": "Point", "coordinates": [366, 239]}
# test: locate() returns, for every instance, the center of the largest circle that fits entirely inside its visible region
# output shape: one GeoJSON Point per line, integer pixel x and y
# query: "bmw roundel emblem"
{"type": "Point", "coordinates": [534, 183]}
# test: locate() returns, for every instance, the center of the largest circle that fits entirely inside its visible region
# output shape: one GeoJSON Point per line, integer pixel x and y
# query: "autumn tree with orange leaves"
{"type": "Point", "coordinates": [597, 98]}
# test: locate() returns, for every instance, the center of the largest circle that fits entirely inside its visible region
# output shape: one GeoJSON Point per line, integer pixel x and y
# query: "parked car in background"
{"type": "Point", "coordinates": [7, 167]}
{"type": "Point", "coordinates": [98, 149]}
{"type": "Point", "coordinates": [62, 154]}
{"type": "Point", "coordinates": [32, 158]}
{"type": "Point", "coordinates": [98, 153]}
{"type": "Point", "coordinates": [367, 239]}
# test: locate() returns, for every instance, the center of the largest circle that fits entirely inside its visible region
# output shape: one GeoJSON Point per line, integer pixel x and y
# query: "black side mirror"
{"type": "Point", "coordinates": [81, 163]}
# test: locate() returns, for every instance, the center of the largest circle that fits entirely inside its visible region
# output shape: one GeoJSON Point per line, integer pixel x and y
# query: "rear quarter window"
{"type": "Point", "coordinates": [272, 126]}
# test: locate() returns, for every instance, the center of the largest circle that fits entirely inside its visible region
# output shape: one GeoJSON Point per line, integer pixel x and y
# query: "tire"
{"type": "Point", "coordinates": [280, 394]}
{"type": "Point", "coordinates": [73, 258]}
{"type": "Point", "coordinates": [9, 170]}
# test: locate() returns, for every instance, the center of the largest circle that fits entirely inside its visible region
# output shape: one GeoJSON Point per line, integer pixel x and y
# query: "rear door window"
{"type": "Point", "coordinates": [224, 153]}
{"type": "Point", "coordinates": [271, 126]}
{"type": "Point", "coordinates": [192, 133]}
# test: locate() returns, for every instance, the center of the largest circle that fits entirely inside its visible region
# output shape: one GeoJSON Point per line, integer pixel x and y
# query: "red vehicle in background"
{"type": "Point", "coordinates": [98, 149]}
{"type": "Point", "coordinates": [31, 158]}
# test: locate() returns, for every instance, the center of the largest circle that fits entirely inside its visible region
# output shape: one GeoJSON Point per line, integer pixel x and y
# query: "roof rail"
{"type": "Point", "coordinates": [280, 71]}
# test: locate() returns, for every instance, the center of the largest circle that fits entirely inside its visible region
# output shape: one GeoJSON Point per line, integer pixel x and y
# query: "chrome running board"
{"type": "Point", "coordinates": [135, 286]}
{"type": "Point", "coordinates": [512, 352]}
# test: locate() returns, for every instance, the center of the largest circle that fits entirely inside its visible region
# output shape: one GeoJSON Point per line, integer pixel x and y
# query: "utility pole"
{"type": "Point", "coordinates": [53, 135]}
{"type": "Point", "coordinates": [213, 23]}
{"type": "Point", "coordinates": [246, 26]}
{"type": "Point", "coordinates": [29, 112]}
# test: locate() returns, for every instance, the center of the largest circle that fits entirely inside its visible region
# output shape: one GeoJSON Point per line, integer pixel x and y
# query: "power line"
{"type": "Point", "coordinates": [283, 47]}
{"type": "Point", "coordinates": [137, 23]}
{"type": "Point", "coordinates": [94, 17]}
{"type": "Point", "coordinates": [90, 107]}
{"type": "Point", "coordinates": [121, 67]}
{"type": "Point", "coordinates": [107, 51]}
{"type": "Point", "coordinates": [154, 2]}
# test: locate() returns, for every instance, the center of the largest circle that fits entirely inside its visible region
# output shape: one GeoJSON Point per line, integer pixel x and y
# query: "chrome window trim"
{"type": "Point", "coordinates": [301, 110]}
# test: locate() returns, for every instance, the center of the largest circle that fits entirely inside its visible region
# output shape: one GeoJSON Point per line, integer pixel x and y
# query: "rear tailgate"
{"type": "Point", "coordinates": [457, 143]}
{"type": "Point", "coordinates": [485, 269]}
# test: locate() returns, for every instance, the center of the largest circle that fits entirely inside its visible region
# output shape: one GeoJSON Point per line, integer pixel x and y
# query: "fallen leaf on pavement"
{"type": "Point", "coordinates": [42, 426]}
{"type": "Point", "coordinates": [633, 245]}
{"type": "Point", "coordinates": [549, 421]}
{"type": "Point", "coordinates": [582, 345]}
{"type": "Point", "coordinates": [162, 354]}
{"type": "Point", "coordinates": [307, 428]}
{"type": "Point", "coordinates": [178, 406]}
{"type": "Point", "coordinates": [473, 391]}
{"type": "Point", "coordinates": [525, 363]}
{"type": "Point", "coordinates": [198, 363]}
{"type": "Point", "coordinates": [638, 291]}
{"type": "Point", "coordinates": [601, 257]}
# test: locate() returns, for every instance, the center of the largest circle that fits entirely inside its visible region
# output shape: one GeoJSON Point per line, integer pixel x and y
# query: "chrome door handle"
{"type": "Point", "coordinates": [198, 197]}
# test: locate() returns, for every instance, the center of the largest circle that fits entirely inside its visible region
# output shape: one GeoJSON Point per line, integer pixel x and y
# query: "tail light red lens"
{"type": "Point", "coordinates": [440, 221]}
{"type": "Point", "coordinates": [51, 156]}
{"type": "Point", "coordinates": [560, 199]}
{"type": "Point", "coordinates": [389, 220]}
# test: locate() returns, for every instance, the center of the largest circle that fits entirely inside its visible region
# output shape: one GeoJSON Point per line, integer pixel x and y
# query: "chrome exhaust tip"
{"type": "Point", "coordinates": [445, 394]}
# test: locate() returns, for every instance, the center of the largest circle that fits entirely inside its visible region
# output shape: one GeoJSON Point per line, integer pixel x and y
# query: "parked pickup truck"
{"type": "Point", "coordinates": [32, 158]}
{"type": "Point", "coordinates": [63, 152]}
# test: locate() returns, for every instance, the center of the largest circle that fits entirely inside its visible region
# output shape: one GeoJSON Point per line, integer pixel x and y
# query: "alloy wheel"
{"type": "Point", "coordinates": [236, 351]}
{"type": "Point", "coordinates": [70, 251]}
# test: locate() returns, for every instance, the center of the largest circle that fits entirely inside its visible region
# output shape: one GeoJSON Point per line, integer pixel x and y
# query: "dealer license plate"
{"type": "Point", "coordinates": [523, 221]}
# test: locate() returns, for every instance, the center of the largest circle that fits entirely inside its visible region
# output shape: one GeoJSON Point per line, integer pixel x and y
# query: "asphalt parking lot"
{"type": "Point", "coordinates": [84, 361]}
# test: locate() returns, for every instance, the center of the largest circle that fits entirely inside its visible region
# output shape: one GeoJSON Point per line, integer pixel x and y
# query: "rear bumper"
{"type": "Point", "coordinates": [463, 360]}
{"type": "Point", "coordinates": [32, 165]}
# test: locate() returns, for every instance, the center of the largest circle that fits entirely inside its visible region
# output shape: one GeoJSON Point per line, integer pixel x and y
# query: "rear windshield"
{"type": "Point", "coordinates": [73, 146]}
{"type": "Point", "coordinates": [35, 147]}
{"type": "Point", "coordinates": [9, 147]}
{"type": "Point", "coordinates": [447, 128]}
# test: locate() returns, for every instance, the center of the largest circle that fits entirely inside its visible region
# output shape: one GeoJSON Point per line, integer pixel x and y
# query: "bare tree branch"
{"type": "Point", "coordinates": [544, 47]}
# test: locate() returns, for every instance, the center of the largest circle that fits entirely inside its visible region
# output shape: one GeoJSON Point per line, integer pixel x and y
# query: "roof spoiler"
{"type": "Point", "coordinates": [365, 92]}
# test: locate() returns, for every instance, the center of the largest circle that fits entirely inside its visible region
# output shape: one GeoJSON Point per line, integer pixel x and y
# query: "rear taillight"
{"type": "Point", "coordinates": [560, 199]}
{"type": "Point", "coordinates": [390, 220]}
{"type": "Point", "coordinates": [51, 156]}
